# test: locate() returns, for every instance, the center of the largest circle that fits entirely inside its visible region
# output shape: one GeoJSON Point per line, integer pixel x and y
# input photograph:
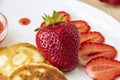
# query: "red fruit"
{"type": "Point", "coordinates": [111, 2]}
{"type": "Point", "coordinates": [43, 24]}
{"type": "Point", "coordinates": [96, 37]}
{"type": "Point", "coordinates": [60, 43]}
{"type": "Point", "coordinates": [103, 0]}
{"type": "Point", "coordinates": [114, 2]}
{"type": "Point", "coordinates": [89, 51]}
{"type": "Point", "coordinates": [65, 14]}
{"type": "Point", "coordinates": [103, 68]}
{"type": "Point", "coordinates": [81, 25]}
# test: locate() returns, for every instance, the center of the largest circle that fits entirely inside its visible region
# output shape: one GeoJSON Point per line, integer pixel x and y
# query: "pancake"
{"type": "Point", "coordinates": [40, 71]}
{"type": "Point", "coordinates": [18, 54]}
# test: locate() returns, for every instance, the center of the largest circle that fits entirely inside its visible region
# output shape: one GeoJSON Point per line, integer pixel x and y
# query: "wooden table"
{"type": "Point", "coordinates": [113, 11]}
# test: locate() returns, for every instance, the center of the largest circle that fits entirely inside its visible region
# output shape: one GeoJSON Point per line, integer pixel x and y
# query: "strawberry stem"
{"type": "Point", "coordinates": [54, 19]}
{"type": "Point", "coordinates": [37, 29]}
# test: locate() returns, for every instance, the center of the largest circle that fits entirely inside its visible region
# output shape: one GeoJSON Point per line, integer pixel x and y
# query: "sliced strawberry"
{"type": "Point", "coordinates": [82, 25]}
{"type": "Point", "coordinates": [96, 37]}
{"type": "Point", "coordinates": [90, 50]}
{"type": "Point", "coordinates": [42, 24]}
{"type": "Point", "coordinates": [102, 68]}
{"type": "Point", "coordinates": [65, 14]}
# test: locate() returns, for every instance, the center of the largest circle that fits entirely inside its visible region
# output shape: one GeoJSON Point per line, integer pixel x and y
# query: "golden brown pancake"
{"type": "Point", "coordinates": [40, 71]}
{"type": "Point", "coordinates": [3, 77]}
{"type": "Point", "coordinates": [18, 54]}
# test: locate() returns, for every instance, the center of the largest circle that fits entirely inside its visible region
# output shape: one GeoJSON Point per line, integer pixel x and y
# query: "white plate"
{"type": "Point", "coordinates": [34, 9]}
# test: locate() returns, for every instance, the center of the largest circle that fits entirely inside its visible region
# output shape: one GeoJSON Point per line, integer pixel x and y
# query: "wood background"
{"type": "Point", "coordinates": [113, 11]}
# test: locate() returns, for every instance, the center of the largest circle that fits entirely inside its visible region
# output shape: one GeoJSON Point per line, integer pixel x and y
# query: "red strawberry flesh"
{"type": "Point", "coordinates": [81, 25]}
{"type": "Point", "coordinates": [65, 14]}
{"type": "Point", "coordinates": [42, 24]}
{"type": "Point", "coordinates": [102, 68]}
{"type": "Point", "coordinates": [60, 45]}
{"type": "Point", "coordinates": [89, 51]}
{"type": "Point", "coordinates": [95, 37]}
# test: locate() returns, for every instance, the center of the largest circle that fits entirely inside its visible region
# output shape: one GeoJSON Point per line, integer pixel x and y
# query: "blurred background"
{"type": "Point", "coordinates": [114, 11]}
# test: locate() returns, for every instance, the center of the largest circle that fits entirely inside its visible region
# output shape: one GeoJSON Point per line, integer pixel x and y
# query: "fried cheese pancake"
{"type": "Point", "coordinates": [18, 54]}
{"type": "Point", "coordinates": [40, 71]}
{"type": "Point", "coordinates": [3, 77]}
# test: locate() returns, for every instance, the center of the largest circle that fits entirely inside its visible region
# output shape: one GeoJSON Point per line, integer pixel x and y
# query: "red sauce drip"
{"type": "Point", "coordinates": [24, 21]}
{"type": "Point", "coordinates": [1, 26]}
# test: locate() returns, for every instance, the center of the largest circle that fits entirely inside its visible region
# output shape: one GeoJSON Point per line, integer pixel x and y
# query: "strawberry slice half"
{"type": "Point", "coordinates": [102, 68]}
{"type": "Point", "coordinates": [42, 24]}
{"type": "Point", "coordinates": [82, 25]}
{"type": "Point", "coordinates": [65, 14]}
{"type": "Point", "coordinates": [96, 37]}
{"type": "Point", "coordinates": [90, 50]}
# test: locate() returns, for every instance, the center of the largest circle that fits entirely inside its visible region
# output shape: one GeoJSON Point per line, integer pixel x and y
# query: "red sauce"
{"type": "Point", "coordinates": [1, 26]}
{"type": "Point", "coordinates": [1, 30]}
{"type": "Point", "coordinates": [24, 21]}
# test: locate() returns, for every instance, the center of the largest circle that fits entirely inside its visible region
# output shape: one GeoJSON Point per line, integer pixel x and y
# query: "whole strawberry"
{"type": "Point", "coordinates": [103, 0]}
{"type": "Point", "coordinates": [111, 2]}
{"type": "Point", "coordinates": [59, 42]}
{"type": "Point", "coordinates": [114, 2]}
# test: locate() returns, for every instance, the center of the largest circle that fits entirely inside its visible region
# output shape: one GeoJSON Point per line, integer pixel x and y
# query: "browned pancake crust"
{"type": "Point", "coordinates": [40, 71]}
{"type": "Point", "coordinates": [3, 77]}
{"type": "Point", "coordinates": [18, 54]}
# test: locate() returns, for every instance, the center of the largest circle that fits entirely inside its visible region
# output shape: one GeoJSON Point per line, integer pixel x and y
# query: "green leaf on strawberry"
{"type": "Point", "coordinates": [55, 19]}
{"type": "Point", "coordinates": [52, 20]}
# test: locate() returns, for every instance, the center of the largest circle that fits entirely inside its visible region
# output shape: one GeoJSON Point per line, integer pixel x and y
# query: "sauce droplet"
{"type": "Point", "coordinates": [24, 21]}
{"type": "Point", "coordinates": [1, 27]}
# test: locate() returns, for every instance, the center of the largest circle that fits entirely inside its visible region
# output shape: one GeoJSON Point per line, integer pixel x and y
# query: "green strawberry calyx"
{"type": "Point", "coordinates": [52, 20]}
